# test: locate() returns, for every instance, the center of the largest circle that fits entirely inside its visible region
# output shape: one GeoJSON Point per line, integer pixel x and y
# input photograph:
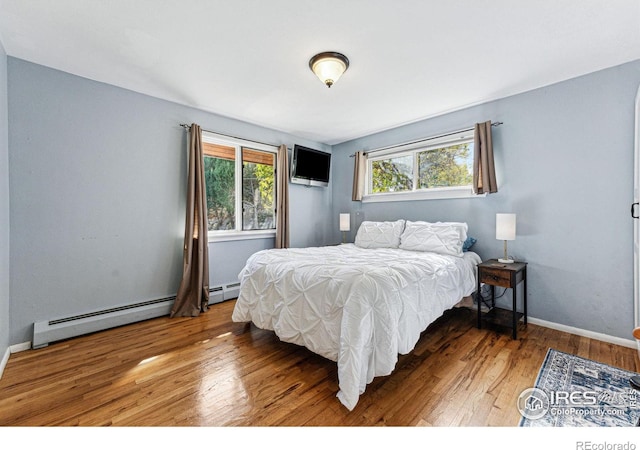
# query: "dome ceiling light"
{"type": "Point", "coordinates": [329, 66]}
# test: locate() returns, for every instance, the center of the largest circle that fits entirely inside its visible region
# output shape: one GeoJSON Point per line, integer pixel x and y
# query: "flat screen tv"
{"type": "Point", "coordinates": [310, 167]}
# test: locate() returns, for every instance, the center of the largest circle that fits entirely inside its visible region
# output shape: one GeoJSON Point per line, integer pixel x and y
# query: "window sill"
{"type": "Point", "coordinates": [431, 194]}
{"type": "Point", "coordinates": [224, 236]}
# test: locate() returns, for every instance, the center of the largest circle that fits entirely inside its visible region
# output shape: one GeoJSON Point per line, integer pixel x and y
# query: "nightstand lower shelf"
{"type": "Point", "coordinates": [502, 317]}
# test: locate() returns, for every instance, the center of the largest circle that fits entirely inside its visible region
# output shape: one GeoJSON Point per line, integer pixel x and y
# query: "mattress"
{"type": "Point", "coordinates": [359, 307]}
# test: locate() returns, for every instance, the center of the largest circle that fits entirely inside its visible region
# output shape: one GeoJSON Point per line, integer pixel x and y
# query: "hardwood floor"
{"type": "Point", "coordinates": [209, 371]}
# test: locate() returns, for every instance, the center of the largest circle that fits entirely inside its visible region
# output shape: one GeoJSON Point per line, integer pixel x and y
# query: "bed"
{"type": "Point", "coordinates": [362, 304]}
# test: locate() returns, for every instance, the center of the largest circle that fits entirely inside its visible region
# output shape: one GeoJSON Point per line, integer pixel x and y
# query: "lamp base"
{"type": "Point", "coordinates": [505, 261]}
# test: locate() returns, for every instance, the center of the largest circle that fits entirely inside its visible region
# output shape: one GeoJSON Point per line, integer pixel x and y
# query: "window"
{"type": "Point", "coordinates": [434, 168]}
{"type": "Point", "coordinates": [240, 185]}
{"type": "Point", "coordinates": [393, 174]}
{"type": "Point", "coordinates": [258, 190]}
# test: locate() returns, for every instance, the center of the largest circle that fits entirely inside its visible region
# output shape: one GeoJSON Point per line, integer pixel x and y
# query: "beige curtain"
{"type": "Point", "coordinates": [193, 293]}
{"type": "Point", "coordinates": [484, 172]}
{"type": "Point", "coordinates": [359, 169]}
{"type": "Point", "coordinates": [282, 198]}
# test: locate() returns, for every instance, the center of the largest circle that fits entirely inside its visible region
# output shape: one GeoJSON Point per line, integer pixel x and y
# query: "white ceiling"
{"type": "Point", "coordinates": [248, 59]}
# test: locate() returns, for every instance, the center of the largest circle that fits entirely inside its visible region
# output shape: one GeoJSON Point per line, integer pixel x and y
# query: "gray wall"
{"type": "Point", "coordinates": [564, 161]}
{"type": "Point", "coordinates": [4, 207]}
{"type": "Point", "coordinates": [97, 177]}
{"type": "Point", "coordinates": [96, 189]}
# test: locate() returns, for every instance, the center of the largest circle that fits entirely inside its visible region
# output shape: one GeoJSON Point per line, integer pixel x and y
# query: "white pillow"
{"type": "Point", "coordinates": [379, 234]}
{"type": "Point", "coordinates": [462, 227]}
{"type": "Point", "coordinates": [446, 238]}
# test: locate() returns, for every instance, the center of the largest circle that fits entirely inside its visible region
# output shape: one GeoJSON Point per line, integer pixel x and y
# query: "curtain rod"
{"type": "Point", "coordinates": [188, 127]}
{"type": "Point", "coordinates": [423, 140]}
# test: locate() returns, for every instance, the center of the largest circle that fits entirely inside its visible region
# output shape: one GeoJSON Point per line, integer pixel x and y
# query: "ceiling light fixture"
{"type": "Point", "coordinates": [329, 66]}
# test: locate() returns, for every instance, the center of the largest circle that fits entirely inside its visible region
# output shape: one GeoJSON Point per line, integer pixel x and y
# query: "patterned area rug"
{"type": "Point", "coordinates": [576, 392]}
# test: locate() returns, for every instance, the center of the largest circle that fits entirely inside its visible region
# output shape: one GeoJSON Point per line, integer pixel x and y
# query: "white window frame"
{"type": "Point", "coordinates": [415, 193]}
{"type": "Point", "coordinates": [237, 143]}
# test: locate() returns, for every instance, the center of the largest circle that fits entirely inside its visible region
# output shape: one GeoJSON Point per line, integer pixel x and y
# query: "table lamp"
{"type": "Point", "coordinates": [345, 225]}
{"type": "Point", "coordinates": [506, 231]}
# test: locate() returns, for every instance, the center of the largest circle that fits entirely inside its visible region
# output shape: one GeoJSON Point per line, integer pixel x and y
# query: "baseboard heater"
{"type": "Point", "coordinates": [49, 331]}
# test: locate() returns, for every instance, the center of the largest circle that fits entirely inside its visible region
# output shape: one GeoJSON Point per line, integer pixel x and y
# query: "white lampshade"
{"type": "Point", "coordinates": [345, 222]}
{"type": "Point", "coordinates": [506, 227]}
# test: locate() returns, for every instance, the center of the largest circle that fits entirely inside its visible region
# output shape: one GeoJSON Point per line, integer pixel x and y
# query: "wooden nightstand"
{"type": "Point", "coordinates": [506, 275]}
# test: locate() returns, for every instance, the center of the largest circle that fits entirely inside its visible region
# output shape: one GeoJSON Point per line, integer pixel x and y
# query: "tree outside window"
{"type": "Point", "coordinates": [258, 202]}
{"type": "Point", "coordinates": [255, 209]}
{"type": "Point", "coordinates": [421, 169]}
{"type": "Point", "coordinates": [446, 167]}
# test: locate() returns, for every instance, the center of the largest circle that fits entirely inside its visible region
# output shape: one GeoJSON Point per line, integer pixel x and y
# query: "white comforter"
{"type": "Point", "coordinates": [359, 307]}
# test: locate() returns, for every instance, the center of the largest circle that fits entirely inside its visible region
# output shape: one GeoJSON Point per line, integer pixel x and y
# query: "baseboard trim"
{"type": "Point", "coordinates": [4, 361]}
{"type": "Point", "coordinates": [20, 347]}
{"type": "Point", "coordinates": [12, 349]}
{"type": "Point", "coordinates": [585, 333]}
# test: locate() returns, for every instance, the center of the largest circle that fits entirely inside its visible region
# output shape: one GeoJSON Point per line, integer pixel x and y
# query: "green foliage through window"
{"type": "Point", "coordinates": [445, 167]}
{"type": "Point", "coordinates": [423, 169]}
{"type": "Point", "coordinates": [392, 175]}
{"type": "Point", "coordinates": [219, 175]}
{"type": "Point", "coordinates": [258, 208]}
{"type": "Point", "coordinates": [255, 208]}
